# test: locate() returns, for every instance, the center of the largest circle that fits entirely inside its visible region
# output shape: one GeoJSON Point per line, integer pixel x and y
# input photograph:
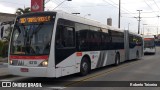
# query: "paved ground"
{"type": "Point", "coordinates": [146, 69]}
{"type": "Point", "coordinates": [3, 60]}
{"type": "Point", "coordinates": [3, 67]}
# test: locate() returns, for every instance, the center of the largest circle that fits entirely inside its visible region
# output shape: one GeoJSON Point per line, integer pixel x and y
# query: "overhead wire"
{"type": "Point", "coordinates": [154, 11]}
{"type": "Point", "coordinates": [64, 4]}
{"type": "Point", "coordinates": [156, 4]}
{"type": "Point", "coordinates": [157, 16]}
{"type": "Point", "coordinates": [118, 7]}
{"type": "Point", "coordinates": [150, 7]}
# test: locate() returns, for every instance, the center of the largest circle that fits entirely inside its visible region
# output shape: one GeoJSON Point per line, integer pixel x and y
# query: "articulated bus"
{"type": "Point", "coordinates": [149, 44]}
{"type": "Point", "coordinates": [56, 44]}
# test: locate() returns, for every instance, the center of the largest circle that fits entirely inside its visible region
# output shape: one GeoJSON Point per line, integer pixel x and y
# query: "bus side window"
{"type": "Point", "coordinates": [69, 37]}
{"type": "Point", "coordinates": [59, 37]}
{"type": "Point", "coordinates": [65, 37]}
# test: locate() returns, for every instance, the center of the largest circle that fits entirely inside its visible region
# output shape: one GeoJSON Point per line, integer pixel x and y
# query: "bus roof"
{"type": "Point", "coordinates": [135, 34]}
{"type": "Point", "coordinates": [75, 18]}
{"type": "Point", "coordinates": [148, 36]}
{"type": "Point", "coordinates": [83, 20]}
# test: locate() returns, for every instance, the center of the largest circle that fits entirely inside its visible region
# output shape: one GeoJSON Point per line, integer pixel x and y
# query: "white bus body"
{"type": "Point", "coordinates": [35, 49]}
{"type": "Point", "coordinates": [149, 44]}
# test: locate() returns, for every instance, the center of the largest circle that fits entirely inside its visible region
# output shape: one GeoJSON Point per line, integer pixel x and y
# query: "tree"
{"type": "Point", "coordinates": [5, 39]}
{"type": "Point", "coordinates": [21, 11]}
{"type": "Point", "coordinates": [8, 32]}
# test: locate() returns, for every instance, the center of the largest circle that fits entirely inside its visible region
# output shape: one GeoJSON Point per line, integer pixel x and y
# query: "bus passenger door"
{"type": "Point", "coordinates": [65, 46]}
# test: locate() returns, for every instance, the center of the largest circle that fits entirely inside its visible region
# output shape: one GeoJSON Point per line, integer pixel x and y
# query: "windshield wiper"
{"type": "Point", "coordinates": [29, 37]}
{"type": "Point", "coordinates": [37, 29]}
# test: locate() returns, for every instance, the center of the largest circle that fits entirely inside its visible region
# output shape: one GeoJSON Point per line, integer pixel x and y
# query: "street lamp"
{"type": "Point", "coordinates": [61, 4]}
{"type": "Point", "coordinates": [76, 13]}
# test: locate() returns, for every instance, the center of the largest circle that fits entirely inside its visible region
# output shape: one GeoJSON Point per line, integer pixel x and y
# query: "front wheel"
{"type": "Point", "coordinates": [85, 67]}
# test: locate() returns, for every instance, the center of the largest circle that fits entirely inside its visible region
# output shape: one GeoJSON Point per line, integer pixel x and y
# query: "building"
{"type": "Point", "coordinates": [5, 17]}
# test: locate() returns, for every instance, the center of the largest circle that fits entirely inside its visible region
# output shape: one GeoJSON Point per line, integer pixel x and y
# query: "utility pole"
{"type": "Point", "coordinates": [157, 30]}
{"type": "Point", "coordinates": [60, 4]}
{"type": "Point", "coordinates": [119, 16]}
{"type": "Point", "coordinates": [44, 4]}
{"type": "Point", "coordinates": [128, 26]}
{"type": "Point", "coordinates": [139, 20]}
{"type": "Point", "coordinates": [158, 24]}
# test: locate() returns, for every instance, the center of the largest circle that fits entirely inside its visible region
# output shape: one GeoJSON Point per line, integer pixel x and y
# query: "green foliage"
{"type": "Point", "coordinates": [8, 32]}
{"type": "Point", "coordinates": [3, 48]}
{"type": "Point", "coordinates": [5, 42]}
{"type": "Point", "coordinates": [21, 11]}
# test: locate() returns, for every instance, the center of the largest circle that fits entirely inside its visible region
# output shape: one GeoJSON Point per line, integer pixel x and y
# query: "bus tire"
{"type": "Point", "coordinates": [154, 53]}
{"type": "Point", "coordinates": [117, 59]}
{"type": "Point", "coordinates": [85, 67]}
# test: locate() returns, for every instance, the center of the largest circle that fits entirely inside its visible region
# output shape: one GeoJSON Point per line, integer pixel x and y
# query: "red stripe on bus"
{"type": "Point", "coordinates": [29, 57]}
{"type": "Point", "coordinates": [146, 39]}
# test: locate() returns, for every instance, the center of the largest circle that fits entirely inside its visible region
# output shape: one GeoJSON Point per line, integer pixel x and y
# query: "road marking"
{"type": "Point", "coordinates": [100, 74]}
{"type": "Point", "coordinates": [13, 78]}
{"type": "Point", "coordinates": [57, 88]}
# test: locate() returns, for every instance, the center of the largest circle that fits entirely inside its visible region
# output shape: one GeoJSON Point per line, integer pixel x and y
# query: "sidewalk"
{"type": "Point", "coordinates": [3, 67]}
{"type": "Point", "coordinates": [4, 71]}
{"type": "Point", "coordinates": [3, 60]}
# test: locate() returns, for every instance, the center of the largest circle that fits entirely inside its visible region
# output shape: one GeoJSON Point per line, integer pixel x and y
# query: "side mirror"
{"type": "Point", "coordinates": [2, 30]}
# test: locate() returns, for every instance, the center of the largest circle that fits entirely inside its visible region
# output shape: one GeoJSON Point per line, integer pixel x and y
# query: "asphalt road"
{"type": "Point", "coordinates": [146, 69]}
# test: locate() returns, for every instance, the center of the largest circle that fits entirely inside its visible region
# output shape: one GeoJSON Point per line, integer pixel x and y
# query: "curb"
{"type": "Point", "coordinates": [3, 63]}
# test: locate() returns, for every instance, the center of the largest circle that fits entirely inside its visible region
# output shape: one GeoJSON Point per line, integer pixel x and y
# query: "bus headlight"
{"type": "Point", "coordinates": [11, 62]}
{"type": "Point", "coordinates": [44, 63]}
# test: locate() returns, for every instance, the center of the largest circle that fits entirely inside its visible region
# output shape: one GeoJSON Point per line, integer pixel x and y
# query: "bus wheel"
{"type": "Point", "coordinates": [85, 67]}
{"type": "Point", "coordinates": [137, 55]}
{"type": "Point", "coordinates": [117, 59]}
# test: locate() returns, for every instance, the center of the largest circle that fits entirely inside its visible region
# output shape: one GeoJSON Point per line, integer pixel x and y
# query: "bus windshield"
{"type": "Point", "coordinates": [31, 38]}
{"type": "Point", "coordinates": [149, 43]}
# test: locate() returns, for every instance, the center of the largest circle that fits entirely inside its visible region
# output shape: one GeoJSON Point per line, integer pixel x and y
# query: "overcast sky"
{"type": "Point", "coordinates": [100, 10]}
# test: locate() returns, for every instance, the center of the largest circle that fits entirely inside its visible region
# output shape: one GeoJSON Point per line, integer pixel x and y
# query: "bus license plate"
{"type": "Point", "coordinates": [24, 70]}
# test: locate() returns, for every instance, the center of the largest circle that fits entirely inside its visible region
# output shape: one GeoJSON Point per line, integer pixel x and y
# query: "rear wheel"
{"type": "Point", "coordinates": [117, 59]}
{"type": "Point", "coordinates": [85, 67]}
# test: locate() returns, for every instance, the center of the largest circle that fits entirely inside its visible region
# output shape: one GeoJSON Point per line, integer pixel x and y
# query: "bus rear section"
{"type": "Point", "coordinates": [30, 45]}
{"type": "Point", "coordinates": [149, 44]}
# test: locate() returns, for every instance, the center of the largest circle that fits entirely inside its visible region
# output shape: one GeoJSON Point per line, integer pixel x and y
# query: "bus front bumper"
{"type": "Point", "coordinates": [32, 71]}
{"type": "Point", "coordinates": [149, 50]}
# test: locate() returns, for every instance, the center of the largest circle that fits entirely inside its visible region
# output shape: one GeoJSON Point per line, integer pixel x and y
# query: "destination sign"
{"type": "Point", "coordinates": [147, 39]}
{"type": "Point", "coordinates": [37, 19]}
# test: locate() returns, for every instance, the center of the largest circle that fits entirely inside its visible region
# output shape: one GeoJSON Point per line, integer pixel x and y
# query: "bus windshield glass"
{"type": "Point", "coordinates": [32, 36]}
{"type": "Point", "coordinates": [149, 42]}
